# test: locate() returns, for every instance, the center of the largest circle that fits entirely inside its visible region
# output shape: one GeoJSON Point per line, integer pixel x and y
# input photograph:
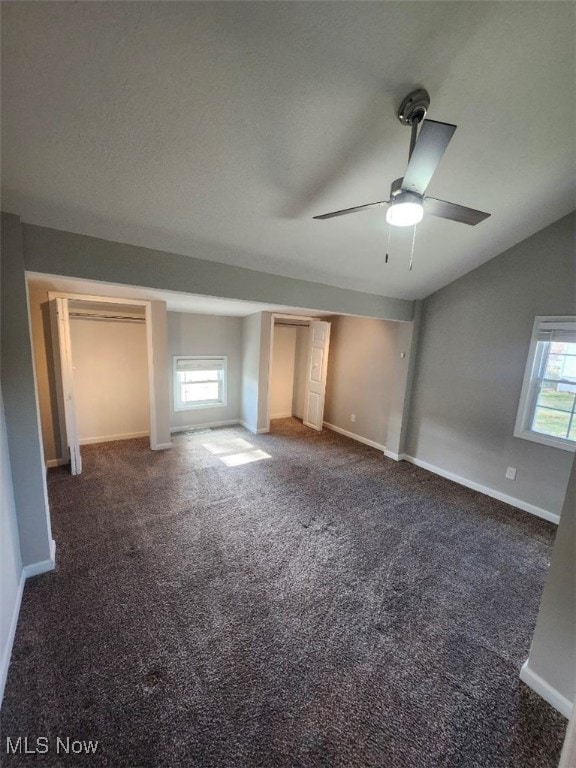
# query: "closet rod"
{"type": "Point", "coordinates": [291, 325]}
{"type": "Point", "coordinates": [118, 318]}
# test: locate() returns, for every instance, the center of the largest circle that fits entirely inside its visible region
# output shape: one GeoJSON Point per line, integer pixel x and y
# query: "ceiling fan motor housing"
{"type": "Point", "coordinates": [414, 107]}
{"type": "Point", "coordinates": [398, 194]}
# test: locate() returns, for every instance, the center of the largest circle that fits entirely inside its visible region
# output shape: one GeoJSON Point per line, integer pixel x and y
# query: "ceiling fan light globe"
{"type": "Point", "coordinates": [404, 214]}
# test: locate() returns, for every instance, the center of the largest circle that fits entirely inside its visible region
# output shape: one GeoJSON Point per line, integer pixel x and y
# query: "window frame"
{"type": "Point", "coordinates": [529, 393]}
{"type": "Point", "coordinates": [222, 402]}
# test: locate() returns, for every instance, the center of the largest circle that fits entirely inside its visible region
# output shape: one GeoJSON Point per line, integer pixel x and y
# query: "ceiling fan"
{"type": "Point", "coordinates": [408, 202]}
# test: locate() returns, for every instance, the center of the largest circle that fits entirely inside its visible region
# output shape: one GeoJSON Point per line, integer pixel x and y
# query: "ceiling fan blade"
{"type": "Point", "coordinates": [344, 211]}
{"type": "Point", "coordinates": [454, 212]}
{"type": "Point", "coordinates": [430, 146]}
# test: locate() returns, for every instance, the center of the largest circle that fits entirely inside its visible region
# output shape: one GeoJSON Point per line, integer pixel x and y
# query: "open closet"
{"type": "Point", "coordinates": [103, 371]}
{"type": "Point", "coordinates": [298, 366]}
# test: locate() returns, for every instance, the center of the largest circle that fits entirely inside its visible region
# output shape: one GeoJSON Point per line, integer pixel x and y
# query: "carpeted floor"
{"type": "Point", "coordinates": [321, 607]}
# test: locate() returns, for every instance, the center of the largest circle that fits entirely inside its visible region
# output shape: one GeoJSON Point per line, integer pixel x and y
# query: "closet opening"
{"type": "Point", "coordinates": [298, 366]}
{"type": "Point", "coordinates": [104, 377]}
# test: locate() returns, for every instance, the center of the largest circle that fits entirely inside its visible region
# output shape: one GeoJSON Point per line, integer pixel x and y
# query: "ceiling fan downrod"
{"type": "Point", "coordinates": [412, 112]}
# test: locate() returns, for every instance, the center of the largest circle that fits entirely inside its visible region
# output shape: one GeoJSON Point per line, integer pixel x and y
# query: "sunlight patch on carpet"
{"type": "Point", "coordinates": [235, 451]}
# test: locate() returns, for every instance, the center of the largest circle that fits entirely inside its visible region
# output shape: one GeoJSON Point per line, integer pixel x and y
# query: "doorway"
{"type": "Point", "coordinates": [298, 366]}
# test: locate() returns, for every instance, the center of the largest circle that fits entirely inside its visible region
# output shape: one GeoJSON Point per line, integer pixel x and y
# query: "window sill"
{"type": "Point", "coordinates": [552, 442]}
{"type": "Point", "coordinates": [198, 406]}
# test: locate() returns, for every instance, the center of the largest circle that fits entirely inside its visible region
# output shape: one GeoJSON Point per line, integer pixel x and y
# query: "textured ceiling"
{"type": "Point", "coordinates": [224, 127]}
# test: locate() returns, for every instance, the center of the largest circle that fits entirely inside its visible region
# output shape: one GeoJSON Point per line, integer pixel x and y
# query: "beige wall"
{"type": "Point", "coordinates": [43, 360]}
{"type": "Point", "coordinates": [190, 334]}
{"type": "Point", "coordinates": [110, 379]}
{"type": "Point", "coordinates": [282, 378]}
{"type": "Point", "coordinates": [362, 372]}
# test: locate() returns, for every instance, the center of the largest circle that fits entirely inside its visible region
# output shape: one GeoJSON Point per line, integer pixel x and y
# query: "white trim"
{"type": "Point", "coordinates": [112, 438]}
{"type": "Point", "coordinates": [161, 446]}
{"type": "Point", "coordinates": [88, 296]}
{"type": "Point", "coordinates": [204, 425]}
{"type": "Point", "coordinates": [35, 569]}
{"type": "Point", "coordinates": [305, 322]}
{"type": "Point", "coordinates": [281, 415]}
{"type": "Point", "coordinates": [528, 394]}
{"type": "Point", "coordinates": [552, 517]}
{"type": "Point", "coordinates": [568, 756]}
{"type": "Point", "coordinates": [545, 690]}
{"type": "Point", "coordinates": [392, 455]}
{"type": "Point", "coordinates": [222, 388]}
{"type": "Point", "coordinates": [50, 463]}
{"type": "Point", "coordinates": [354, 436]}
{"type": "Point", "coordinates": [253, 430]}
{"type": "Point", "coordinates": [7, 655]}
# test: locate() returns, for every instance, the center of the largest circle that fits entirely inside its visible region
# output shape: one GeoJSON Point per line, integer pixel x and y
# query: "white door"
{"type": "Point", "coordinates": [63, 358]}
{"type": "Point", "coordinates": [316, 374]}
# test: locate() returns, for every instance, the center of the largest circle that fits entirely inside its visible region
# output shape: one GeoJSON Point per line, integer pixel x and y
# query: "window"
{"type": "Point", "coordinates": [199, 382]}
{"type": "Point", "coordinates": [547, 410]}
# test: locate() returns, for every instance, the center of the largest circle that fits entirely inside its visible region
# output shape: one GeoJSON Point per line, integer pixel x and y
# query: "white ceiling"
{"type": "Point", "coordinates": [175, 302]}
{"type": "Point", "coordinates": [180, 125]}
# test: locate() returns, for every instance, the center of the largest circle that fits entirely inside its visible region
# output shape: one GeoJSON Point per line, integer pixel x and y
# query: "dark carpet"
{"type": "Point", "coordinates": [322, 607]}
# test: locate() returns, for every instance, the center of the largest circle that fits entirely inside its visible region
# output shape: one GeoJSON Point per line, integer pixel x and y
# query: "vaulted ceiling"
{"type": "Point", "coordinates": [222, 128]}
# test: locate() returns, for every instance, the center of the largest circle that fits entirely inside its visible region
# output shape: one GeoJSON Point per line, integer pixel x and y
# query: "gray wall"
{"type": "Point", "coordinates": [21, 406]}
{"type": "Point", "coordinates": [251, 332]}
{"type": "Point", "coordinates": [472, 355]}
{"type": "Point", "coordinates": [553, 651]}
{"type": "Point", "coordinates": [362, 369]}
{"type": "Point", "coordinates": [10, 560]}
{"type": "Point", "coordinates": [56, 252]}
{"type": "Point", "coordinates": [190, 334]}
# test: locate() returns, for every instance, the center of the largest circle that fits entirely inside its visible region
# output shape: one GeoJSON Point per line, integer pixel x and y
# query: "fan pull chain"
{"type": "Point", "coordinates": [388, 244]}
{"type": "Point", "coordinates": [412, 249]}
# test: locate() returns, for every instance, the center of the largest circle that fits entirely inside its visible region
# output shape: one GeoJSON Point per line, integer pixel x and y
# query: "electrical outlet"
{"type": "Point", "coordinates": [511, 473]}
{"type": "Point", "coordinates": [352, 417]}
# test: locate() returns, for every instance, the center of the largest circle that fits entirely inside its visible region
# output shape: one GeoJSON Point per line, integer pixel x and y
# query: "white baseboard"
{"type": "Point", "coordinates": [512, 500]}
{"type": "Point", "coordinates": [35, 569]}
{"type": "Point", "coordinates": [50, 463]}
{"type": "Point", "coordinates": [354, 436]}
{"type": "Point", "coordinates": [287, 415]}
{"type": "Point", "coordinates": [7, 653]}
{"type": "Point", "coordinates": [112, 438]}
{"type": "Point", "coordinates": [161, 446]}
{"type": "Point", "coordinates": [205, 425]}
{"type": "Point", "coordinates": [392, 455]}
{"type": "Point", "coordinates": [252, 429]}
{"type": "Point", "coordinates": [545, 690]}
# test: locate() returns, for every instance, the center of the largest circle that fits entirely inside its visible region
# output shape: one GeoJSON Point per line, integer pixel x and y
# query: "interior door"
{"type": "Point", "coordinates": [64, 367]}
{"type": "Point", "coordinates": [316, 374]}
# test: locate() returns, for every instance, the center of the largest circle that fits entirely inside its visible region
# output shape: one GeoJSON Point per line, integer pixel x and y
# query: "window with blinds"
{"type": "Point", "coordinates": [199, 382]}
{"type": "Point", "coordinates": [547, 411]}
